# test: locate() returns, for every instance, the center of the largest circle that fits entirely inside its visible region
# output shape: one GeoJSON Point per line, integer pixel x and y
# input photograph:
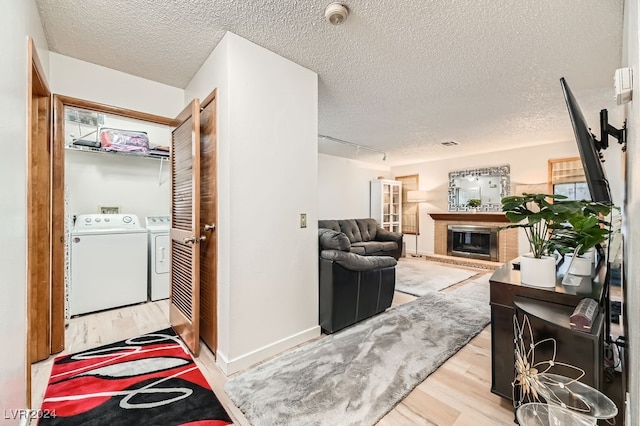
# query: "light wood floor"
{"type": "Point", "coordinates": [455, 394]}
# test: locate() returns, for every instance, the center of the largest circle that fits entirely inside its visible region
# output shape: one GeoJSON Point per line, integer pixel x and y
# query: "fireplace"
{"type": "Point", "coordinates": [471, 241]}
{"type": "Point", "coordinates": [506, 240]}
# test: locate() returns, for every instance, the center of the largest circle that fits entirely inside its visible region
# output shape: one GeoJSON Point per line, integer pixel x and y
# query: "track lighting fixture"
{"type": "Point", "coordinates": [355, 145]}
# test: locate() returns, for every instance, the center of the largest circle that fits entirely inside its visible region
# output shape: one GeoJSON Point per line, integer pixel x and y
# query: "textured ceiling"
{"type": "Point", "coordinates": [400, 77]}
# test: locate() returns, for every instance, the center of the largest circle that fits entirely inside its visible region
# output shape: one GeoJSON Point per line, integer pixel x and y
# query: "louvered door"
{"type": "Point", "coordinates": [184, 310]}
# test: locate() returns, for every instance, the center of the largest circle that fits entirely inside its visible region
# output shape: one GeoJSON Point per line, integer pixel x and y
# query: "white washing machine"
{"type": "Point", "coordinates": [159, 228]}
{"type": "Point", "coordinates": [108, 262]}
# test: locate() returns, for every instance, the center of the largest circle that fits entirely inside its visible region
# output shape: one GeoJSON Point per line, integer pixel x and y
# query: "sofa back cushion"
{"type": "Point", "coordinates": [351, 230]}
{"type": "Point", "coordinates": [333, 240]}
{"type": "Point", "coordinates": [329, 224]}
{"type": "Point", "coordinates": [357, 230]}
{"type": "Point", "coordinates": [367, 228]}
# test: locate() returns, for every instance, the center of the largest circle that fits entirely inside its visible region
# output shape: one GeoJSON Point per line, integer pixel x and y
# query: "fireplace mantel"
{"type": "Point", "coordinates": [470, 217]}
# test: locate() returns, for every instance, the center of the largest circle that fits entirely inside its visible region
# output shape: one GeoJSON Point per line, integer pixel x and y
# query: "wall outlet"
{"type": "Point", "coordinates": [303, 220]}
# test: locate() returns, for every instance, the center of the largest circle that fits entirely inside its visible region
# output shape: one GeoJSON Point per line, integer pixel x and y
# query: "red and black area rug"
{"type": "Point", "coordinates": [145, 380]}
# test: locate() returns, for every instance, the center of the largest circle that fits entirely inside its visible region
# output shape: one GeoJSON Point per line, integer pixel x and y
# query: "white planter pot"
{"type": "Point", "coordinates": [581, 265]}
{"type": "Point", "coordinates": [538, 272]}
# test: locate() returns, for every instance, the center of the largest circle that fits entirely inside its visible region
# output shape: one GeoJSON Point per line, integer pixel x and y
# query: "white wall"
{"type": "Point", "coordinates": [343, 186]}
{"type": "Point", "coordinates": [528, 166]}
{"type": "Point", "coordinates": [36, 32]}
{"type": "Point", "coordinates": [631, 227]}
{"type": "Point", "coordinates": [79, 79]}
{"type": "Point", "coordinates": [268, 172]}
{"type": "Point", "coordinates": [19, 18]}
{"type": "Point", "coordinates": [137, 185]}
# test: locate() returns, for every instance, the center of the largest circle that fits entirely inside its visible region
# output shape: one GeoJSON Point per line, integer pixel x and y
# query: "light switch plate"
{"type": "Point", "coordinates": [303, 220]}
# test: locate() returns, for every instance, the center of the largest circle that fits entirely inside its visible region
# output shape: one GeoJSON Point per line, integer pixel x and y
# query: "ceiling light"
{"type": "Point", "coordinates": [336, 13]}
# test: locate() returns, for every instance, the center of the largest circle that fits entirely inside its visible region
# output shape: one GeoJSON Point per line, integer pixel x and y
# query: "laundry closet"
{"type": "Point", "coordinates": [117, 202]}
{"type": "Point", "coordinates": [134, 205]}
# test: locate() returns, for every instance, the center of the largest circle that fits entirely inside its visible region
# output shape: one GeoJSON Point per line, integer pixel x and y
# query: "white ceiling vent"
{"type": "Point", "coordinates": [449, 143]}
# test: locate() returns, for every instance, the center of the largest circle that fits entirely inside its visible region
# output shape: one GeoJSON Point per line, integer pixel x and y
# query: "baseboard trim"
{"type": "Point", "coordinates": [243, 362]}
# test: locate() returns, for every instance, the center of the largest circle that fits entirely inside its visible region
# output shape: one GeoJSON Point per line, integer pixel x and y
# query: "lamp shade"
{"type": "Point", "coordinates": [416, 196]}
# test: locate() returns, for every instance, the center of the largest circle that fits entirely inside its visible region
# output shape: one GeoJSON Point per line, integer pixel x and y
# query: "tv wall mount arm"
{"type": "Point", "coordinates": [607, 130]}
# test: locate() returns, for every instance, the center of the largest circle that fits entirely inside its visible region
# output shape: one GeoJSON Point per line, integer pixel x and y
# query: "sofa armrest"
{"type": "Point", "coordinates": [355, 262]}
{"type": "Point", "coordinates": [333, 240]}
{"type": "Point", "coordinates": [384, 235]}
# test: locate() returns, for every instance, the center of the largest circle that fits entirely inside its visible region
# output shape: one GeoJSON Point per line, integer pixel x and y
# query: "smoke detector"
{"type": "Point", "coordinates": [336, 13]}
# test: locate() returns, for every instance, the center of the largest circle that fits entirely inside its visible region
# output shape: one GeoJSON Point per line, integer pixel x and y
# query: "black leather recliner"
{"type": "Point", "coordinates": [352, 287]}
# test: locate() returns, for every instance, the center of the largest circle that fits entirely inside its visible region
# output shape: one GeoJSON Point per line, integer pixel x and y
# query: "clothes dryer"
{"type": "Point", "coordinates": [108, 262]}
{"type": "Point", "coordinates": [159, 228]}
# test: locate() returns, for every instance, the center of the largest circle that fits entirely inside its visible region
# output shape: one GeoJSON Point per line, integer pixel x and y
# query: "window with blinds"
{"type": "Point", "coordinates": [566, 177]}
{"type": "Point", "coordinates": [409, 210]}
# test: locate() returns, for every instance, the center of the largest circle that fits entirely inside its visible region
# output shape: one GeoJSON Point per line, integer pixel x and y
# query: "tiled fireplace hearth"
{"type": "Point", "coordinates": [505, 243]}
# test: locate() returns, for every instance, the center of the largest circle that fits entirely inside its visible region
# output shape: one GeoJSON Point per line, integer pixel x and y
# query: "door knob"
{"type": "Point", "coordinates": [210, 227]}
{"type": "Point", "coordinates": [202, 238]}
{"type": "Point", "coordinates": [189, 240]}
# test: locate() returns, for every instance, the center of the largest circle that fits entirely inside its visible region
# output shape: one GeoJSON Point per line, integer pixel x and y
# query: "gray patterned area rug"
{"type": "Point", "coordinates": [478, 289]}
{"type": "Point", "coordinates": [356, 376]}
{"type": "Point", "coordinates": [419, 277]}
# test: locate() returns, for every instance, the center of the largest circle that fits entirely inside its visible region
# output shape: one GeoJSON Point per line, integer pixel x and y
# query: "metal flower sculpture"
{"type": "Point", "coordinates": [530, 376]}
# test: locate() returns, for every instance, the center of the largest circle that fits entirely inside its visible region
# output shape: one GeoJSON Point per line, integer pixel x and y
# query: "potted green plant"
{"type": "Point", "coordinates": [587, 230]}
{"type": "Point", "coordinates": [539, 215]}
{"type": "Point", "coordinates": [473, 204]}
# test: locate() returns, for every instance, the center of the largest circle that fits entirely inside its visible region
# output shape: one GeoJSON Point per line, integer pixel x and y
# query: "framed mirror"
{"type": "Point", "coordinates": [487, 184]}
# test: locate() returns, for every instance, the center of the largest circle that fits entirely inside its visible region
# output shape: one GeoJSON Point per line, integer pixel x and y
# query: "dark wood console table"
{"type": "Point", "coordinates": [548, 310]}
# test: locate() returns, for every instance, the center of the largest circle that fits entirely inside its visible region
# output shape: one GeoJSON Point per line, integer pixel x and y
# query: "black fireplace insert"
{"type": "Point", "coordinates": [476, 242]}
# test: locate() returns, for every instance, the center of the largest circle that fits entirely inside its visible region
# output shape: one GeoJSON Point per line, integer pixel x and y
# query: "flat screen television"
{"type": "Point", "coordinates": [588, 148]}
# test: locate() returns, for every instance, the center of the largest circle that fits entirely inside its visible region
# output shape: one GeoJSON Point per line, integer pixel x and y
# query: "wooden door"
{"type": "Point", "coordinates": [38, 216]}
{"type": "Point", "coordinates": [38, 212]}
{"type": "Point", "coordinates": [208, 221]}
{"type": "Point", "coordinates": [58, 252]}
{"type": "Point", "coordinates": [184, 309]}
